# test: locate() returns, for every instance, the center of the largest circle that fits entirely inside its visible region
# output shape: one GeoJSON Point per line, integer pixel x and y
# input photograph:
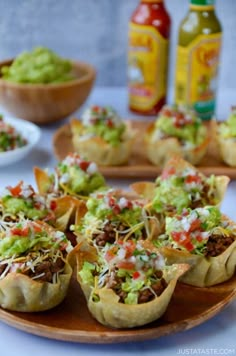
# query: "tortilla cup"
{"type": "Point", "coordinates": [205, 271]}
{"type": "Point", "coordinates": [96, 149]}
{"type": "Point", "coordinates": [109, 311]}
{"type": "Point", "coordinates": [147, 189]}
{"type": "Point", "coordinates": [21, 293]}
{"type": "Point", "coordinates": [161, 150]}
{"type": "Point", "coordinates": [227, 149]}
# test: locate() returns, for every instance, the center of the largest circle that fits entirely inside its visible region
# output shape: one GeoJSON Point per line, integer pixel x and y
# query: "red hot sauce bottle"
{"type": "Point", "coordinates": [149, 32]}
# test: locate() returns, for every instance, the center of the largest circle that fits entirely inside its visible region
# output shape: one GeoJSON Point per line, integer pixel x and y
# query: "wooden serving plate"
{"type": "Point", "coordinates": [71, 320]}
{"type": "Point", "coordinates": [138, 165]}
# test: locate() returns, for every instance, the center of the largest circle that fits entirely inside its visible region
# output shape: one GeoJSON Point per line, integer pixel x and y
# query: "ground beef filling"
{"type": "Point", "coordinates": [145, 295]}
{"type": "Point", "coordinates": [205, 198]}
{"type": "Point", "coordinates": [217, 244]}
{"type": "Point", "coordinates": [109, 233]}
{"type": "Point", "coordinates": [44, 270]}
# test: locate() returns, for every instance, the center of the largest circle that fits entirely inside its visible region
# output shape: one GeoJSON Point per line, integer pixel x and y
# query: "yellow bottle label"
{"type": "Point", "coordinates": [197, 72]}
{"type": "Point", "coordinates": [147, 66]}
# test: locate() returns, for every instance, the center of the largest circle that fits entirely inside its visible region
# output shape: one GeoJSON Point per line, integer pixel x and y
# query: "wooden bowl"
{"type": "Point", "coordinates": [47, 103]}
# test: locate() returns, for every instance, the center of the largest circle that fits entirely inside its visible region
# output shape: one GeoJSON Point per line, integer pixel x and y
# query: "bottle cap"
{"type": "Point", "coordinates": [203, 2]}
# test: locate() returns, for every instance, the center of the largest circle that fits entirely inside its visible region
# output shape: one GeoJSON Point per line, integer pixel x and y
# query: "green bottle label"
{"type": "Point", "coordinates": [202, 2]}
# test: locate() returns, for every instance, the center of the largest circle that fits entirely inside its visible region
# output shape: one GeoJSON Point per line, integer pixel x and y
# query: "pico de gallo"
{"type": "Point", "coordinates": [76, 176]}
{"type": "Point", "coordinates": [22, 201]}
{"type": "Point", "coordinates": [103, 122]}
{"type": "Point", "coordinates": [202, 231]}
{"type": "Point", "coordinates": [10, 139]}
{"type": "Point", "coordinates": [134, 273]}
{"type": "Point", "coordinates": [179, 122]}
{"type": "Point", "coordinates": [110, 217]}
{"type": "Point", "coordinates": [33, 249]}
{"type": "Point", "coordinates": [177, 189]}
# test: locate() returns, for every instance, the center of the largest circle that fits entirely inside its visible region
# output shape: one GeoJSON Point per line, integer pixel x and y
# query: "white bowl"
{"type": "Point", "coordinates": [29, 131]}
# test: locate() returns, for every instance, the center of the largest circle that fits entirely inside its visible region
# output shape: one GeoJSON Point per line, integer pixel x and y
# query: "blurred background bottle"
{"type": "Point", "coordinates": [198, 54]}
{"type": "Point", "coordinates": [149, 32]}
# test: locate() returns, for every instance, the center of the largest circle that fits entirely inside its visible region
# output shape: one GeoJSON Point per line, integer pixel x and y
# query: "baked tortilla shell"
{"type": "Point", "coordinates": [19, 292]}
{"type": "Point", "coordinates": [96, 149]}
{"type": "Point", "coordinates": [204, 271]}
{"type": "Point", "coordinates": [109, 311]}
{"type": "Point", "coordinates": [147, 189]}
{"type": "Point", "coordinates": [159, 151]}
{"type": "Point", "coordinates": [227, 150]}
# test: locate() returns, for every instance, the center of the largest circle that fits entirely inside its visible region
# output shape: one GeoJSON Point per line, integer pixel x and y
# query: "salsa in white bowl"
{"type": "Point", "coordinates": [17, 138]}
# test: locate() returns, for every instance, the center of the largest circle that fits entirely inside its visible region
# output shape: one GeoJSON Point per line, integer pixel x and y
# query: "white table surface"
{"type": "Point", "coordinates": [216, 336]}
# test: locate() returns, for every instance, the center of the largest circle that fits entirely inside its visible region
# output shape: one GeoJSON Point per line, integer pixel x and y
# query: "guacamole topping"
{"type": "Point", "coordinates": [103, 122]}
{"type": "Point", "coordinates": [188, 188]}
{"type": "Point", "coordinates": [28, 236]}
{"type": "Point", "coordinates": [191, 230]}
{"type": "Point", "coordinates": [75, 175]}
{"type": "Point", "coordinates": [22, 200]}
{"type": "Point", "coordinates": [179, 122]}
{"type": "Point", "coordinates": [227, 129]}
{"type": "Point", "coordinates": [40, 66]}
{"type": "Point", "coordinates": [115, 215]}
{"type": "Point", "coordinates": [134, 273]}
{"type": "Point", "coordinates": [10, 139]}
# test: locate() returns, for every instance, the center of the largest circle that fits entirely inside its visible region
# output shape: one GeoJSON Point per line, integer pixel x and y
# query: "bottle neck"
{"type": "Point", "coordinates": [202, 5]}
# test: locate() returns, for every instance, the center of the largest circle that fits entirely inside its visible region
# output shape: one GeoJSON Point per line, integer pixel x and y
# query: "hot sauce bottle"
{"type": "Point", "coordinates": [198, 54]}
{"type": "Point", "coordinates": [149, 32]}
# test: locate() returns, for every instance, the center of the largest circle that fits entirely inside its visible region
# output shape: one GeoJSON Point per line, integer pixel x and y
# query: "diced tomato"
{"type": "Point", "coordinates": [184, 213]}
{"type": "Point", "coordinates": [130, 246]}
{"type": "Point", "coordinates": [111, 201]}
{"type": "Point", "coordinates": [84, 165]}
{"type": "Point", "coordinates": [167, 112]}
{"type": "Point", "coordinates": [20, 232]}
{"type": "Point", "coordinates": [129, 204]}
{"type": "Point", "coordinates": [136, 274]}
{"type": "Point", "coordinates": [96, 108]}
{"type": "Point", "coordinates": [192, 179]}
{"type": "Point", "coordinates": [16, 231]}
{"type": "Point", "coordinates": [176, 235]}
{"type": "Point", "coordinates": [15, 191]}
{"type": "Point", "coordinates": [116, 209]}
{"type": "Point", "coordinates": [125, 265]}
{"type": "Point", "coordinates": [109, 123]}
{"type": "Point", "coordinates": [53, 205]}
{"type": "Point", "coordinates": [110, 254]}
{"type": "Point", "coordinates": [199, 238]}
{"type": "Point", "coordinates": [37, 228]}
{"type": "Point", "coordinates": [196, 224]}
{"type": "Point", "coordinates": [188, 245]}
{"type": "Point", "coordinates": [168, 172]}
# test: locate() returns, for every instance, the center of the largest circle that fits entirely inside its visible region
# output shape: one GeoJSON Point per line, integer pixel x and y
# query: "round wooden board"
{"type": "Point", "coordinates": [138, 165]}
{"type": "Point", "coordinates": [71, 320]}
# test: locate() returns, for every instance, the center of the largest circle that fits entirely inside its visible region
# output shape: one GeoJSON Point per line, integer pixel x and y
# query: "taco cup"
{"type": "Point", "coordinates": [110, 216]}
{"type": "Point", "coordinates": [177, 131]}
{"type": "Point", "coordinates": [34, 272]}
{"type": "Point", "coordinates": [206, 240]}
{"type": "Point", "coordinates": [21, 201]}
{"type": "Point", "coordinates": [73, 176]}
{"type": "Point", "coordinates": [226, 138]}
{"type": "Point", "coordinates": [126, 284]}
{"type": "Point", "coordinates": [102, 136]}
{"type": "Point", "coordinates": [182, 185]}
